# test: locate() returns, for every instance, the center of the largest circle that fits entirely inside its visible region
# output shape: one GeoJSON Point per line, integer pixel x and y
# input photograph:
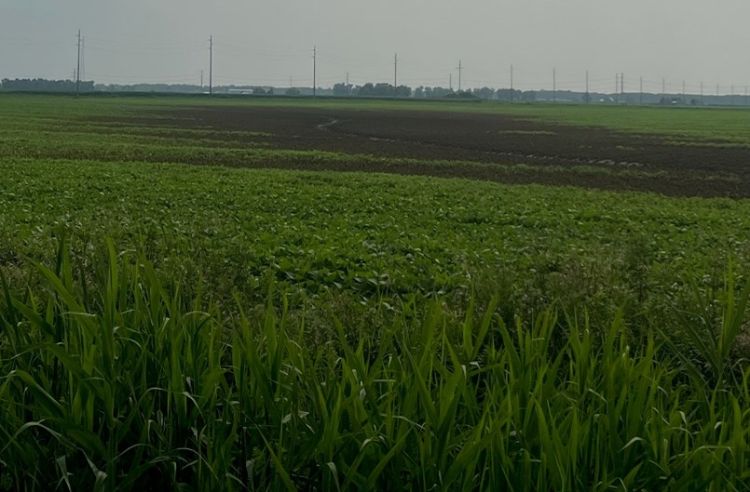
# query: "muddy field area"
{"type": "Point", "coordinates": [626, 161]}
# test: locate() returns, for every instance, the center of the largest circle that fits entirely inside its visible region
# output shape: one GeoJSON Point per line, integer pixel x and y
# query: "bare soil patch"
{"type": "Point", "coordinates": [627, 161]}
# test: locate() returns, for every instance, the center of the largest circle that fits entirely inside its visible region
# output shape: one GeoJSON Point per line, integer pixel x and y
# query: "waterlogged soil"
{"type": "Point", "coordinates": [572, 155]}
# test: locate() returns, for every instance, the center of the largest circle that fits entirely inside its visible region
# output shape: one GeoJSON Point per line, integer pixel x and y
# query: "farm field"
{"type": "Point", "coordinates": [676, 152]}
{"type": "Point", "coordinates": [279, 294]}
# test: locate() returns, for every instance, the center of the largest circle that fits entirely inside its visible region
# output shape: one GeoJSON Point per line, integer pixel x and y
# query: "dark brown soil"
{"type": "Point", "coordinates": [627, 161]}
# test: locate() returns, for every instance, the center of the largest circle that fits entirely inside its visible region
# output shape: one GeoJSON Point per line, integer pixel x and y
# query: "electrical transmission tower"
{"type": "Point", "coordinates": [460, 74]}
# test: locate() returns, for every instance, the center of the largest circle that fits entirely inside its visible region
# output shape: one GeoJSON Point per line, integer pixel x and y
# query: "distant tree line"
{"type": "Point", "coordinates": [422, 92]}
{"type": "Point", "coordinates": [386, 90]}
{"type": "Point", "coordinates": [44, 85]}
{"type": "Point", "coordinates": [166, 88]}
{"type": "Point", "coordinates": [371, 90]}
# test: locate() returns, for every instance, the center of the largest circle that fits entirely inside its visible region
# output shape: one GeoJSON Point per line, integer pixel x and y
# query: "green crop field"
{"type": "Point", "coordinates": [228, 327]}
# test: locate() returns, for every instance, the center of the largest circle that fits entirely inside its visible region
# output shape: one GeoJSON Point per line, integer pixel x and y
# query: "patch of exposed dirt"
{"type": "Point", "coordinates": [485, 138]}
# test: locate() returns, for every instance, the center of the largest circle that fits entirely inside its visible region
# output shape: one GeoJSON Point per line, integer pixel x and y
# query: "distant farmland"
{"type": "Point", "coordinates": [240, 294]}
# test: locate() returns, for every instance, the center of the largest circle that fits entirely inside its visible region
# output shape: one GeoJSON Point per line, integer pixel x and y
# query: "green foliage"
{"type": "Point", "coordinates": [248, 329]}
{"type": "Point", "coordinates": [365, 237]}
{"type": "Point", "coordinates": [122, 382]}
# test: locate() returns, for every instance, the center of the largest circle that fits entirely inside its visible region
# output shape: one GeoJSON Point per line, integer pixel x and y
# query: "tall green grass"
{"type": "Point", "coordinates": [112, 379]}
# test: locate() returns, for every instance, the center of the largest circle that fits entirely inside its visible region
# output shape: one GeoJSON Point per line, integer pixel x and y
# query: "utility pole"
{"type": "Point", "coordinates": [663, 86]}
{"type": "Point", "coordinates": [315, 71]}
{"type": "Point", "coordinates": [460, 74]}
{"type": "Point", "coordinates": [701, 92]}
{"type": "Point", "coordinates": [450, 81]}
{"type": "Point", "coordinates": [511, 84]}
{"type": "Point", "coordinates": [588, 92]}
{"type": "Point", "coordinates": [395, 74]}
{"type": "Point", "coordinates": [640, 93]}
{"type": "Point", "coordinates": [554, 85]}
{"type": "Point", "coordinates": [684, 91]}
{"type": "Point", "coordinates": [622, 88]}
{"type": "Point", "coordinates": [78, 66]}
{"type": "Point", "coordinates": [211, 66]}
{"type": "Point", "coordinates": [201, 80]}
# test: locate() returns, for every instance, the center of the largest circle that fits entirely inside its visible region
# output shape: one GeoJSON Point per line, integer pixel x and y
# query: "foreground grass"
{"type": "Point", "coordinates": [121, 382]}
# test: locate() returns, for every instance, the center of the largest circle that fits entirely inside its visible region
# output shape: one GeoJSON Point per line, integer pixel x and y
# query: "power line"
{"type": "Point", "coordinates": [733, 94]}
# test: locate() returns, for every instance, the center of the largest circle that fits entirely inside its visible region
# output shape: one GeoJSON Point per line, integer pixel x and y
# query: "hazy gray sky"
{"type": "Point", "coordinates": [267, 42]}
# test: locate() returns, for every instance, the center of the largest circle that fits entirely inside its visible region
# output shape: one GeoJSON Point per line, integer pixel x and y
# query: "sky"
{"type": "Point", "coordinates": [270, 42]}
